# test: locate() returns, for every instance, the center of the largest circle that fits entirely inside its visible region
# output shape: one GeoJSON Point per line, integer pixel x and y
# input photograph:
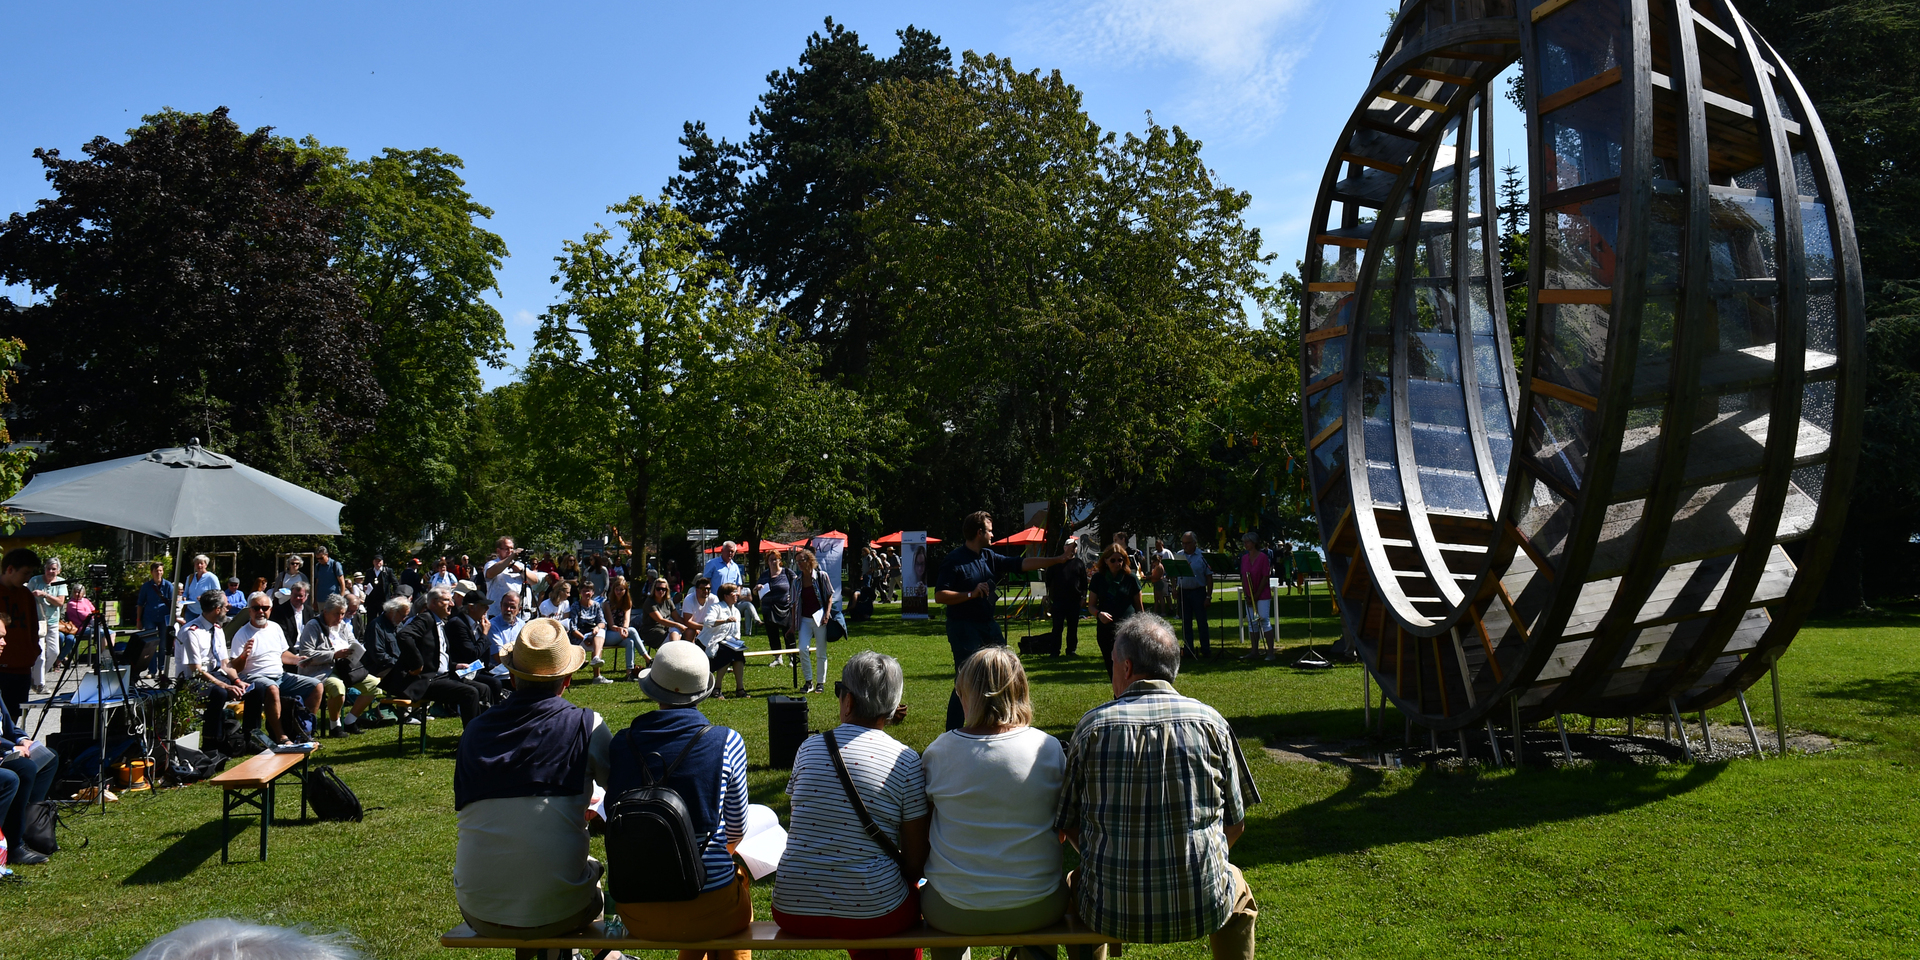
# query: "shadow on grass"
{"type": "Point", "coordinates": [191, 849]}
{"type": "Point", "coordinates": [1370, 812]}
{"type": "Point", "coordinates": [1897, 695]}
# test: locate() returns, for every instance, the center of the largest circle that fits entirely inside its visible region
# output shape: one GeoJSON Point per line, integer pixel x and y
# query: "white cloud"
{"type": "Point", "coordinates": [1240, 53]}
{"type": "Point", "coordinates": [526, 318]}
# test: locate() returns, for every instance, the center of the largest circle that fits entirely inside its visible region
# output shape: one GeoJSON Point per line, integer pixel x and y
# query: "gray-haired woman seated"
{"type": "Point", "coordinates": [835, 880]}
{"type": "Point", "coordinates": [994, 863]}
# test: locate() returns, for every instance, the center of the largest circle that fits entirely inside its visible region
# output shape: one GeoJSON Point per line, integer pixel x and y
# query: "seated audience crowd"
{"type": "Point", "coordinates": [1151, 789]}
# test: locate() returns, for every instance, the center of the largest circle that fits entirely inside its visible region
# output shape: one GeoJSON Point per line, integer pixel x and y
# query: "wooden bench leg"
{"type": "Point", "coordinates": [266, 818]}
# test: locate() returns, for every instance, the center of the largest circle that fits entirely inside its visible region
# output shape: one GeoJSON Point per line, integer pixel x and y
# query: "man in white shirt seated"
{"type": "Point", "coordinates": [699, 606]}
{"type": "Point", "coordinates": [261, 659]}
{"type": "Point", "coordinates": [503, 628]}
{"type": "Point", "coordinates": [720, 635]}
{"type": "Point", "coordinates": [200, 661]}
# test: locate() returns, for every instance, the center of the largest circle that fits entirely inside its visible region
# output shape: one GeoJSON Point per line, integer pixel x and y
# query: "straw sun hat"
{"type": "Point", "coordinates": [543, 653]}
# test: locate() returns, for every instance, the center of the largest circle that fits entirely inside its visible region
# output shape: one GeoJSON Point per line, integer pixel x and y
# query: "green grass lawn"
{"type": "Point", "coordinates": [1815, 856]}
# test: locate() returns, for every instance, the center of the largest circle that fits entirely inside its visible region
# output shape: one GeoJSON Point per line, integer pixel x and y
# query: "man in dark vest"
{"type": "Point", "coordinates": [521, 786]}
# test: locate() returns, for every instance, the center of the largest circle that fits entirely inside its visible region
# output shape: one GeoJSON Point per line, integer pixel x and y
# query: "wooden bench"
{"type": "Point", "coordinates": [767, 935]}
{"type": "Point", "coordinates": [400, 725]}
{"type": "Point", "coordinates": [251, 785]}
{"type": "Point", "coordinates": [794, 663]}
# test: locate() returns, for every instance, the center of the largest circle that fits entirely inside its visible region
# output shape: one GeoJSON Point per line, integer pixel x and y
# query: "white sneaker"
{"type": "Point", "coordinates": [779, 661]}
{"type": "Point", "coordinates": [600, 680]}
{"type": "Point", "coordinates": [597, 661]}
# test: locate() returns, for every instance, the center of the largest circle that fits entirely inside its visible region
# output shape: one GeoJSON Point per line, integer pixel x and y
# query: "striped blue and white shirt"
{"type": "Point", "coordinates": [830, 868]}
{"type": "Point", "coordinates": [732, 825]}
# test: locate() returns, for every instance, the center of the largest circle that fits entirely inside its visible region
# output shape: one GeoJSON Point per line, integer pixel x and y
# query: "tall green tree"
{"type": "Point", "coordinates": [783, 204]}
{"type": "Point", "coordinates": [1860, 63]}
{"type": "Point", "coordinates": [190, 290]}
{"type": "Point", "coordinates": [410, 237]}
{"type": "Point", "coordinates": [782, 442]}
{"type": "Point", "coordinates": [622, 378]}
{"type": "Point", "coordinates": [1082, 290]}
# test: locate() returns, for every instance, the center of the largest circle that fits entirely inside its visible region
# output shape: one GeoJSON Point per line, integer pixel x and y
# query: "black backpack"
{"type": "Point", "coordinates": [330, 797]}
{"type": "Point", "coordinates": [653, 855]}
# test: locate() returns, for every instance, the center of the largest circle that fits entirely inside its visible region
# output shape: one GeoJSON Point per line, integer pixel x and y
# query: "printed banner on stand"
{"type": "Point", "coordinates": [830, 551]}
{"type": "Point", "coordinates": [913, 575]}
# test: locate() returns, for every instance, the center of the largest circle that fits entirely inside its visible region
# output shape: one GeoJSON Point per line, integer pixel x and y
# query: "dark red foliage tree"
{"type": "Point", "coordinates": [188, 289]}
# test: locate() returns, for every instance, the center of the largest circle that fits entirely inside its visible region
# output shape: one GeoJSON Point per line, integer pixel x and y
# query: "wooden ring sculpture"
{"type": "Point", "coordinates": [1606, 533]}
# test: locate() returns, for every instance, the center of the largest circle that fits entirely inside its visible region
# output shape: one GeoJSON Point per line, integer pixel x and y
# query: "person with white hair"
{"type": "Point", "coordinates": [50, 592]}
{"type": "Point", "coordinates": [194, 586]}
{"type": "Point", "coordinates": [1155, 794]}
{"type": "Point", "coordinates": [220, 938]}
{"type": "Point", "coordinates": [330, 654]}
{"type": "Point", "coordinates": [835, 880]}
{"type": "Point", "coordinates": [425, 668]}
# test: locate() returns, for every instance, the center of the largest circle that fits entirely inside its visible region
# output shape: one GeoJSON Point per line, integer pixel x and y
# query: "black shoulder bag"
{"type": "Point", "coordinates": [874, 833]}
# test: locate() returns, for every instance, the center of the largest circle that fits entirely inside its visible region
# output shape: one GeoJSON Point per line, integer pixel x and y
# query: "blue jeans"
{"type": "Point", "coordinates": [966, 637]}
{"type": "Point", "coordinates": [1193, 603]}
{"type": "Point", "coordinates": [32, 777]}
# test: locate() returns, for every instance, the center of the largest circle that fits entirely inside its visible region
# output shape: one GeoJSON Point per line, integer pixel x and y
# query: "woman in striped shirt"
{"type": "Point", "coordinates": [834, 880]}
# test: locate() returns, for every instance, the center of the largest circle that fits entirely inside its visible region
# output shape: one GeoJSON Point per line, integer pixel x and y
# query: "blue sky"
{"type": "Point", "coordinates": [560, 109]}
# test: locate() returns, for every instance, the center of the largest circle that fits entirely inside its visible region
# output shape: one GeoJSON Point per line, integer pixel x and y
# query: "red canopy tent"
{"type": "Point", "coordinates": [893, 540]}
{"type": "Point", "coordinates": [829, 535]}
{"type": "Point", "coordinates": [1029, 535]}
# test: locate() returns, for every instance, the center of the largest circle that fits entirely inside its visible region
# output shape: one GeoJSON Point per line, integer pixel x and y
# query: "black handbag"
{"type": "Point", "coordinates": [874, 833]}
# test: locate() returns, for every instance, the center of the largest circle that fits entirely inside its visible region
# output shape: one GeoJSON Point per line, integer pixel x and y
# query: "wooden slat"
{"type": "Point", "coordinates": [1399, 661]}
{"type": "Point", "coordinates": [1333, 241]}
{"type": "Point", "coordinates": [1412, 101]}
{"type": "Point", "coordinates": [1533, 553]}
{"type": "Point", "coordinates": [1323, 383]}
{"type": "Point", "coordinates": [1573, 296]}
{"type": "Point", "coordinates": [1383, 165]}
{"type": "Point", "coordinates": [767, 935]}
{"type": "Point", "coordinates": [1548, 388]}
{"type": "Point", "coordinates": [1542, 11]}
{"type": "Point", "coordinates": [1324, 333]}
{"type": "Point", "coordinates": [1513, 612]}
{"type": "Point", "coordinates": [1593, 84]}
{"type": "Point", "coordinates": [1333, 480]}
{"type": "Point", "coordinates": [1465, 55]}
{"type": "Point", "coordinates": [1340, 525]}
{"type": "Point", "coordinates": [1486, 642]}
{"type": "Point", "coordinates": [1546, 476]}
{"type": "Point", "coordinates": [1331, 287]}
{"type": "Point", "coordinates": [1440, 677]}
{"type": "Point", "coordinates": [1353, 568]}
{"type": "Point", "coordinates": [258, 770]}
{"type": "Point", "coordinates": [1332, 428]}
{"type": "Point", "coordinates": [1425, 74]}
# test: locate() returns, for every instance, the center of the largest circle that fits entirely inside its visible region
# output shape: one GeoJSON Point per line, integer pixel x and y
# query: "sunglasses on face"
{"type": "Point", "coordinates": [840, 689]}
{"type": "Point", "coordinates": [267, 610]}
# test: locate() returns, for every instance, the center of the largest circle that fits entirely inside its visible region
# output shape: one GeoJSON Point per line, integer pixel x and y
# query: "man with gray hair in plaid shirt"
{"type": "Point", "coordinates": [1156, 792]}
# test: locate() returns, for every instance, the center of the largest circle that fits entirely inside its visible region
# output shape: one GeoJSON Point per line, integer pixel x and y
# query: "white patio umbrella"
{"type": "Point", "coordinates": [177, 493]}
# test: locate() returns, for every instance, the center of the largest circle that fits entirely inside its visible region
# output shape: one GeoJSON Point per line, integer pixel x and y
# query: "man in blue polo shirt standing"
{"type": "Point", "coordinates": [965, 587]}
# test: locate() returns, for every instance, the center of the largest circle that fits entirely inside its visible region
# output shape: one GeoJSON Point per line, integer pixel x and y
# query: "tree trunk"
{"type": "Point", "coordinates": [637, 497]}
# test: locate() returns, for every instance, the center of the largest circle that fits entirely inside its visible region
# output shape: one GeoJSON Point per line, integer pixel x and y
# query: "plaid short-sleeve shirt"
{"type": "Point", "coordinates": [1153, 779]}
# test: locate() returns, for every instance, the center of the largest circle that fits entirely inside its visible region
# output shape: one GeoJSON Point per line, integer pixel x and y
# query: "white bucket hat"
{"type": "Point", "coordinates": [679, 674]}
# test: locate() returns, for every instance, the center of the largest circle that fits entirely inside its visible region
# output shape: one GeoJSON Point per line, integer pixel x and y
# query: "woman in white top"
{"type": "Point", "coordinates": [835, 881]}
{"type": "Point", "coordinates": [559, 601]}
{"type": "Point", "coordinates": [993, 784]}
